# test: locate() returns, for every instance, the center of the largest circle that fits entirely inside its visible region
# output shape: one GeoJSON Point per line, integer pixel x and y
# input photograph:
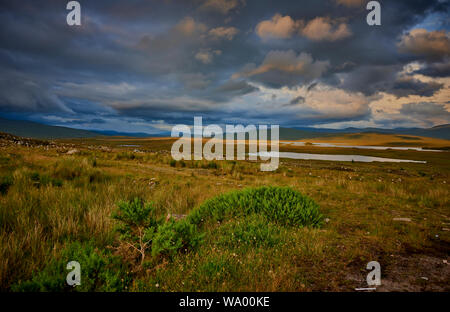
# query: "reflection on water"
{"type": "Point", "coordinates": [308, 156]}
{"type": "Point", "coordinates": [129, 145]}
{"type": "Point", "coordinates": [400, 148]}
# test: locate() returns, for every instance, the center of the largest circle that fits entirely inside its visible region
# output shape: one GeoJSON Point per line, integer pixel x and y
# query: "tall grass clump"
{"type": "Point", "coordinates": [5, 183]}
{"type": "Point", "coordinates": [281, 205]}
{"type": "Point", "coordinates": [73, 168]}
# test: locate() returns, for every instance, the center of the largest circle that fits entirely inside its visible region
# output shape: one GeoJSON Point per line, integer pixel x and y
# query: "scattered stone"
{"type": "Point", "coordinates": [175, 216]}
{"type": "Point", "coordinates": [445, 229]}
{"type": "Point", "coordinates": [424, 278]}
{"type": "Point", "coordinates": [327, 220]}
{"type": "Point", "coordinates": [73, 151]}
{"type": "Point", "coordinates": [402, 219]}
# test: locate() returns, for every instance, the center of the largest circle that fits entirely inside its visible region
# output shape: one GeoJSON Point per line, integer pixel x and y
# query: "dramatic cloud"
{"type": "Point", "coordinates": [189, 27]}
{"type": "Point", "coordinates": [425, 109]}
{"type": "Point", "coordinates": [332, 104]}
{"type": "Point", "coordinates": [297, 100]}
{"type": "Point", "coordinates": [237, 87]}
{"type": "Point", "coordinates": [351, 3]}
{"type": "Point", "coordinates": [143, 65]}
{"type": "Point", "coordinates": [322, 28]}
{"type": "Point", "coordinates": [285, 68]}
{"type": "Point", "coordinates": [317, 29]}
{"type": "Point", "coordinates": [223, 32]}
{"type": "Point", "coordinates": [373, 79]}
{"type": "Point", "coordinates": [194, 80]}
{"type": "Point", "coordinates": [221, 6]}
{"type": "Point", "coordinates": [206, 56]}
{"type": "Point", "coordinates": [429, 113]}
{"type": "Point", "coordinates": [278, 27]}
{"type": "Point", "coordinates": [429, 44]}
{"type": "Point", "coordinates": [436, 69]}
{"type": "Point", "coordinates": [406, 86]}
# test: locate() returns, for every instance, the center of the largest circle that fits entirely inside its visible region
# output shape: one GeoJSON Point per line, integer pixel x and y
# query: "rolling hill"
{"type": "Point", "coordinates": [40, 131]}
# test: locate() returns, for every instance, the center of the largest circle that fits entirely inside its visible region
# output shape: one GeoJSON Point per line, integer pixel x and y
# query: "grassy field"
{"type": "Point", "coordinates": [379, 139]}
{"type": "Point", "coordinates": [58, 201]}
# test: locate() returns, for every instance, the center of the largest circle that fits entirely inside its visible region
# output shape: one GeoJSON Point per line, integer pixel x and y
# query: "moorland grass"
{"type": "Point", "coordinates": [54, 200]}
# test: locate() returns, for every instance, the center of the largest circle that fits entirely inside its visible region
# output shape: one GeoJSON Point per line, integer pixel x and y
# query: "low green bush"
{"type": "Point", "coordinates": [100, 271]}
{"type": "Point", "coordinates": [174, 236]}
{"type": "Point", "coordinates": [253, 230]}
{"type": "Point", "coordinates": [281, 205]}
{"type": "Point", "coordinates": [5, 183]}
{"type": "Point", "coordinates": [137, 224]}
{"type": "Point", "coordinates": [142, 230]}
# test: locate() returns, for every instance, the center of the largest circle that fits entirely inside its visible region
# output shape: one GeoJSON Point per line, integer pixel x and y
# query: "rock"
{"type": "Point", "coordinates": [73, 151]}
{"type": "Point", "coordinates": [402, 219]}
{"type": "Point", "coordinates": [175, 216]}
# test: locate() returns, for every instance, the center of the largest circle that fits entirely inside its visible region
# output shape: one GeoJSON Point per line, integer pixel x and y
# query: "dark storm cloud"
{"type": "Point", "coordinates": [169, 60]}
{"type": "Point", "coordinates": [425, 109]}
{"type": "Point", "coordinates": [236, 87]}
{"type": "Point", "coordinates": [297, 100]}
{"type": "Point", "coordinates": [410, 86]}
{"type": "Point", "coordinates": [372, 79]}
{"type": "Point", "coordinates": [284, 68]}
{"type": "Point", "coordinates": [436, 69]}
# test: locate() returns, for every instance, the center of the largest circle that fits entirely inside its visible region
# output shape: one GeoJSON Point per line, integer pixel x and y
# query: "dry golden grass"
{"type": "Point", "coordinates": [359, 200]}
{"type": "Point", "coordinates": [379, 139]}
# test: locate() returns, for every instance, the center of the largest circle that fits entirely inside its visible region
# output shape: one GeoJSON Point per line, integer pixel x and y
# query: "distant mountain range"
{"type": "Point", "coordinates": [40, 131]}
{"type": "Point", "coordinates": [29, 129]}
{"type": "Point", "coordinates": [439, 132]}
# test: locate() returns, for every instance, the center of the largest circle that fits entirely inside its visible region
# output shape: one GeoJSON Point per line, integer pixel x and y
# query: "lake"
{"type": "Point", "coordinates": [359, 158]}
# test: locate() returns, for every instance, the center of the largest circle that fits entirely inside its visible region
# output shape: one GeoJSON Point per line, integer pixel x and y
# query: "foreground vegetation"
{"type": "Point", "coordinates": [138, 221]}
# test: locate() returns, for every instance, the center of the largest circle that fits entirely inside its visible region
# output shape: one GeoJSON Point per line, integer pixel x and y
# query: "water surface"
{"type": "Point", "coordinates": [359, 158]}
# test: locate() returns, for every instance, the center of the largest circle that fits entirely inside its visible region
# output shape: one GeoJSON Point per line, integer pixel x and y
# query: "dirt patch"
{"type": "Point", "coordinates": [414, 273]}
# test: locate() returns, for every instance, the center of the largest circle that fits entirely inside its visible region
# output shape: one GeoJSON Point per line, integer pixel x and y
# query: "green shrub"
{"type": "Point", "coordinates": [174, 236]}
{"type": "Point", "coordinates": [253, 231]}
{"type": "Point", "coordinates": [142, 230]}
{"type": "Point", "coordinates": [278, 204]}
{"type": "Point", "coordinates": [137, 224]}
{"type": "Point", "coordinates": [5, 183]}
{"type": "Point", "coordinates": [100, 271]}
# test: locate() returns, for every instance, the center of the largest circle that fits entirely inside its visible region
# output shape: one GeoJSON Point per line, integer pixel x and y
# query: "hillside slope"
{"type": "Point", "coordinates": [29, 129]}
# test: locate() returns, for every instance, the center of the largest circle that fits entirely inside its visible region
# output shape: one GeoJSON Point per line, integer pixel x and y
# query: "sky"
{"type": "Point", "coordinates": [147, 65]}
